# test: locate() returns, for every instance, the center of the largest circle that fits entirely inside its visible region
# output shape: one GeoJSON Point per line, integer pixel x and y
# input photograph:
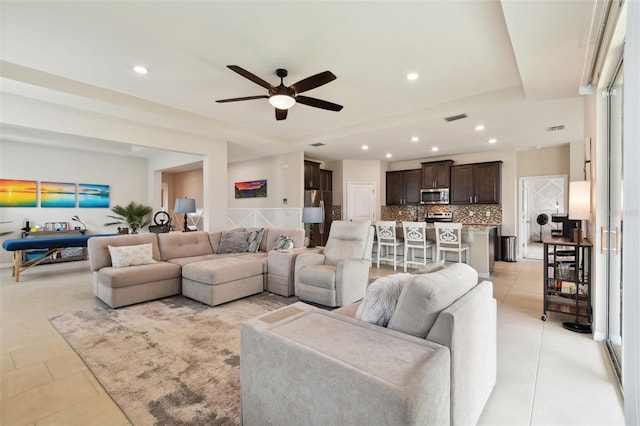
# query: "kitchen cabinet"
{"type": "Point", "coordinates": [478, 183]}
{"type": "Point", "coordinates": [403, 187]}
{"type": "Point", "coordinates": [311, 175]}
{"type": "Point", "coordinates": [436, 174]}
{"type": "Point", "coordinates": [326, 180]}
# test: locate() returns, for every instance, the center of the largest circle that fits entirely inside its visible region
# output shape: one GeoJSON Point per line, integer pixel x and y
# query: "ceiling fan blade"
{"type": "Point", "coordinates": [313, 81]}
{"type": "Point", "coordinates": [247, 98]}
{"type": "Point", "coordinates": [318, 103]}
{"type": "Point", "coordinates": [281, 114]}
{"type": "Point", "coordinates": [250, 76]}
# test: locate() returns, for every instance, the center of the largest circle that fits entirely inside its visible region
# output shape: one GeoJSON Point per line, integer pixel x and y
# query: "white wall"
{"type": "Point", "coordinates": [126, 177]}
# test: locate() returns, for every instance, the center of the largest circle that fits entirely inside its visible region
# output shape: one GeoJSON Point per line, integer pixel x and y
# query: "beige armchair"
{"type": "Point", "coordinates": [338, 276]}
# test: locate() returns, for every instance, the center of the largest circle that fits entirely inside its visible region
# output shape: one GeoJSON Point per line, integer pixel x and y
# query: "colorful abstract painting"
{"type": "Point", "coordinates": [93, 195]}
{"type": "Point", "coordinates": [18, 193]}
{"type": "Point", "coordinates": [57, 194]}
{"type": "Point", "coordinates": [251, 189]}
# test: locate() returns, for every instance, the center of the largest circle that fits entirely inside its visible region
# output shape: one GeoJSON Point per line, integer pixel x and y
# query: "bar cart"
{"type": "Point", "coordinates": [567, 281]}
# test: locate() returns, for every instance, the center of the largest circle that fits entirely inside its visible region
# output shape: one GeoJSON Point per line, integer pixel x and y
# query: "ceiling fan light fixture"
{"type": "Point", "coordinates": [282, 101]}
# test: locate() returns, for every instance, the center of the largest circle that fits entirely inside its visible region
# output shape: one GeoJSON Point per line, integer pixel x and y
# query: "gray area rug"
{"type": "Point", "coordinates": [172, 361]}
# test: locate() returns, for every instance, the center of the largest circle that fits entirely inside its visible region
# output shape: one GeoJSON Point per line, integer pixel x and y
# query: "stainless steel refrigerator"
{"type": "Point", "coordinates": [316, 198]}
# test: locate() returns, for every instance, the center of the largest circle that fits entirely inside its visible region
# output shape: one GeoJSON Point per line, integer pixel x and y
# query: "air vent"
{"type": "Point", "coordinates": [456, 117]}
{"type": "Point", "coordinates": [317, 144]}
{"type": "Point", "coordinates": [555, 128]}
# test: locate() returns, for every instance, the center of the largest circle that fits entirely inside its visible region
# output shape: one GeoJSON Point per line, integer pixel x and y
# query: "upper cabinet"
{"type": "Point", "coordinates": [311, 175]}
{"type": "Point", "coordinates": [436, 174]}
{"type": "Point", "coordinates": [478, 183]}
{"type": "Point", "coordinates": [403, 187]}
{"type": "Point", "coordinates": [326, 180]}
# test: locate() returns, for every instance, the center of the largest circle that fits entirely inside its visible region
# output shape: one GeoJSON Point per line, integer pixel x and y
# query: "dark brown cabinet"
{"type": "Point", "coordinates": [311, 175]}
{"type": "Point", "coordinates": [478, 183]}
{"type": "Point", "coordinates": [436, 174]}
{"type": "Point", "coordinates": [403, 187]}
{"type": "Point", "coordinates": [326, 180]}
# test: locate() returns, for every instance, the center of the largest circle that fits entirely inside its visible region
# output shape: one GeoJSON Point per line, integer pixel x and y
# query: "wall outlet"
{"type": "Point", "coordinates": [470, 212]}
{"type": "Point", "coordinates": [285, 200]}
{"type": "Point", "coordinates": [488, 213]}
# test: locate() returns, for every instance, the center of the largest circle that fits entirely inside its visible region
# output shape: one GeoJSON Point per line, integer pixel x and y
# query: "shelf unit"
{"type": "Point", "coordinates": [66, 255]}
{"type": "Point", "coordinates": [567, 281]}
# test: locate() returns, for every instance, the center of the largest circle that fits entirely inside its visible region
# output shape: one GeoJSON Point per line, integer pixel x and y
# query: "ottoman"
{"type": "Point", "coordinates": [222, 280]}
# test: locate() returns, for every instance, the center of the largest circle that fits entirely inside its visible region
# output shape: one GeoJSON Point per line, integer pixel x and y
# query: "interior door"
{"type": "Point", "coordinates": [362, 201]}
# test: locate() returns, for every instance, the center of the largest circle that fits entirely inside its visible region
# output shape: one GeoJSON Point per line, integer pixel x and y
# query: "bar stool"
{"type": "Point", "coordinates": [415, 238]}
{"type": "Point", "coordinates": [449, 238]}
{"type": "Point", "coordinates": [386, 234]}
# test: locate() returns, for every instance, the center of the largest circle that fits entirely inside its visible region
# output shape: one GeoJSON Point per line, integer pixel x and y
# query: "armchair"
{"type": "Point", "coordinates": [338, 276]}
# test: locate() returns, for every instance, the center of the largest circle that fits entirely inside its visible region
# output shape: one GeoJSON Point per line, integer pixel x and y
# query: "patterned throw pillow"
{"type": "Point", "coordinates": [123, 256]}
{"type": "Point", "coordinates": [284, 242]}
{"type": "Point", "coordinates": [253, 242]}
{"type": "Point", "coordinates": [233, 242]}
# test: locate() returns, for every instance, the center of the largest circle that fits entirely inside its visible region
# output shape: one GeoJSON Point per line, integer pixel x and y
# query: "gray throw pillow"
{"type": "Point", "coordinates": [381, 298]}
{"type": "Point", "coordinates": [284, 242]}
{"type": "Point", "coordinates": [233, 242]}
{"type": "Point", "coordinates": [253, 242]}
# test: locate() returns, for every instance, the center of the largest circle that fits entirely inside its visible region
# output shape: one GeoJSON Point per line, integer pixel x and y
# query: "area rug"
{"type": "Point", "coordinates": [171, 361]}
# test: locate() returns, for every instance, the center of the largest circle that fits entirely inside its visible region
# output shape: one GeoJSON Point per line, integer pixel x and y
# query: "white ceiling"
{"type": "Point", "coordinates": [514, 66]}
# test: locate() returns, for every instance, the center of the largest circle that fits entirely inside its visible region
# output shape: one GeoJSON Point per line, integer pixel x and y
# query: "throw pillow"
{"type": "Point", "coordinates": [233, 242]}
{"type": "Point", "coordinates": [253, 242]}
{"type": "Point", "coordinates": [123, 256]}
{"type": "Point", "coordinates": [283, 243]}
{"type": "Point", "coordinates": [381, 298]}
{"type": "Point", "coordinates": [431, 267]}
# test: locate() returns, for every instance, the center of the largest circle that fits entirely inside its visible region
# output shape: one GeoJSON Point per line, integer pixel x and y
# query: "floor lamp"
{"type": "Point", "coordinates": [185, 205]}
{"type": "Point", "coordinates": [312, 215]}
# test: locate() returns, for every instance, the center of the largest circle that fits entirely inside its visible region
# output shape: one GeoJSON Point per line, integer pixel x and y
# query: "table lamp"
{"type": "Point", "coordinates": [185, 205]}
{"type": "Point", "coordinates": [312, 215]}
{"type": "Point", "coordinates": [579, 205]}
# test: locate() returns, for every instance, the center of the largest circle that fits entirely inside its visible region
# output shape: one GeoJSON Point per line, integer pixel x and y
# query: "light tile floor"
{"type": "Point", "coordinates": [546, 375]}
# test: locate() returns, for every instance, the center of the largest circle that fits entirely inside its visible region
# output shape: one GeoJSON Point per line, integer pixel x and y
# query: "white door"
{"type": "Point", "coordinates": [361, 199]}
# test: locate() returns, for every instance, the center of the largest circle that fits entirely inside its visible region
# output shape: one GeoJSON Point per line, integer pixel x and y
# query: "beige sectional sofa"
{"type": "Point", "coordinates": [434, 363]}
{"type": "Point", "coordinates": [191, 263]}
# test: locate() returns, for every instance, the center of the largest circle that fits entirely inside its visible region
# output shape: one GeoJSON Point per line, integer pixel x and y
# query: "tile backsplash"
{"type": "Point", "coordinates": [464, 213]}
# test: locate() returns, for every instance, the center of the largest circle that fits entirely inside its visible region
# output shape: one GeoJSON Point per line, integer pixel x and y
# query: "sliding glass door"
{"type": "Point", "coordinates": [613, 233]}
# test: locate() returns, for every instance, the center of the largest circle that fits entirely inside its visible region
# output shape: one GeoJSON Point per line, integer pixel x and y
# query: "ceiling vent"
{"type": "Point", "coordinates": [555, 128]}
{"type": "Point", "coordinates": [317, 144]}
{"type": "Point", "coordinates": [455, 117]}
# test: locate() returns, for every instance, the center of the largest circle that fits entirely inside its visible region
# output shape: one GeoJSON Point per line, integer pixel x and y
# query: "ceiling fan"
{"type": "Point", "coordinates": [283, 97]}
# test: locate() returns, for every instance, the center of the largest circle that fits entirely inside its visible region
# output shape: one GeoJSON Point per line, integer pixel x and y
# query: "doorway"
{"type": "Point", "coordinates": [361, 201]}
{"type": "Point", "coordinates": [541, 197]}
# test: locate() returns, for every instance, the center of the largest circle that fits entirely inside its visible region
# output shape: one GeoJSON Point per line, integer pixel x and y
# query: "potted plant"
{"type": "Point", "coordinates": [135, 216]}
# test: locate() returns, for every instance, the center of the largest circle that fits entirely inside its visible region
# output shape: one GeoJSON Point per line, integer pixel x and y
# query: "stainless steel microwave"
{"type": "Point", "coordinates": [434, 196]}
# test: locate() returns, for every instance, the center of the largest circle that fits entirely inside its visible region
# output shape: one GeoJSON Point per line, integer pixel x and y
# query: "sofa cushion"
{"type": "Point", "coordinates": [184, 244]}
{"type": "Point", "coordinates": [426, 295]}
{"type": "Point", "coordinates": [233, 242]}
{"type": "Point", "coordinates": [135, 275]}
{"type": "Point", "coordinates": [254, 239]}
{"type": "Point", "coordinates": [139, 254]}
{"type": "Point", "coordinates": [222, 270]}
{"type": "Point", "coordinates": [347, 240]}
{"type": "Point", "coordinates": [381, 299]}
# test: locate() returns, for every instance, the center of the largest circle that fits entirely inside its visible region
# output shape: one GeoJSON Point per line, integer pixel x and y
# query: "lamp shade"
{"type": "Point", "coordinates": [579, 200]}
{"type": "Point", "coordinates": [185, 205]}
{"type": "Point", "coordinates": [312, 215]}
{"type": "Point", "coordinates": [282, 101]}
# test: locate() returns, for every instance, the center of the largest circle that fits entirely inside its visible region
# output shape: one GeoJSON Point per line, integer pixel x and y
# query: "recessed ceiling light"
{"type": "Point", "coordinates": [365, 147]}
{"type": "Point", "coordinates": [140, 69]}
{"type": "Point", "coordinates": [412, 76]}
{"type": "Point", "coordinates": [493, 140]}
{"type": "Point", "coordinates": [434, 149]}
{"type": "Point", "coordinates": [415, 139]}
{"type": "Point", "coordinates": [479, 127]}
{"type": "Point", "coordinates": [388, 155]}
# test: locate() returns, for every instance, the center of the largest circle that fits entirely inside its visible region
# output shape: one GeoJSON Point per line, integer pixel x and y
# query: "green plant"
{"type": "Point", "coordinates": [136, 216]}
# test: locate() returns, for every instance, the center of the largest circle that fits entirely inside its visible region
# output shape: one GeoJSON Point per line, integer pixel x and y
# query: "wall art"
{"type": "Point", "coordinates": [57, 194]}
{"type": "Point", "coordinates": [93, 195]}
{"type": "Point", "coordinates": [18, 193]}
{"type": "Point", "coordinates": [251, 189]}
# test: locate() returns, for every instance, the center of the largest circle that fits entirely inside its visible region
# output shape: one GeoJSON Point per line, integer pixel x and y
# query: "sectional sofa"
{"type": "Point", "coordinates": [130, 269]}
